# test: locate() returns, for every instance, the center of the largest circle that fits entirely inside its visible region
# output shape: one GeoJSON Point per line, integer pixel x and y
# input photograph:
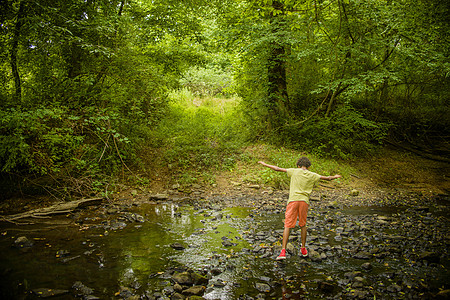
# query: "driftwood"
{"type": "Point", "coordinates": [59, 208]}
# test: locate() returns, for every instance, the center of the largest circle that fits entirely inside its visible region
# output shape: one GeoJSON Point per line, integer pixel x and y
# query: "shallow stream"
{"type": "Point", "coordinates": [234, 248]}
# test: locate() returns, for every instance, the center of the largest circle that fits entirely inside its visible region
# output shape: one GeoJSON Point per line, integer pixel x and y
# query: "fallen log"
{"type": "Point", "coordinates": [59, 208]}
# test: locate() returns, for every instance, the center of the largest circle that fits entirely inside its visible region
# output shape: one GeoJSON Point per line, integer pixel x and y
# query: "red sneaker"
{"type": "Point", "coordinates": [282, 255]}
{"type": "Point", "coordinates": [304, 251]}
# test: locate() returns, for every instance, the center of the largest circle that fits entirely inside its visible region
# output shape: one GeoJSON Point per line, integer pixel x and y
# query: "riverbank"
{"type": "Point", "coordinates": [393, 177]}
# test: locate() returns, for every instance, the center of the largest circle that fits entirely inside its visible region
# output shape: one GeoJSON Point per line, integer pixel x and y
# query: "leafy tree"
{"type": "Point", "coordinates": [316, 57]}
{"type": "Point", "coordinates": [90, 78]}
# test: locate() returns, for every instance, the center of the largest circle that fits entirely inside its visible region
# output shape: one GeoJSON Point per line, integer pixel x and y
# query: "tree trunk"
{"type": "Point", "coordinates": [14, 50]}
{"type": "Point", "coordinates": [277, 86]}
{"type": "Point", "coordinates": [332, 101]}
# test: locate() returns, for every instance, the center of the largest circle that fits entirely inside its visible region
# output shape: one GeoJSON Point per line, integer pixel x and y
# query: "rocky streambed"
{"type": "Point", "coordinates": [224, 247]}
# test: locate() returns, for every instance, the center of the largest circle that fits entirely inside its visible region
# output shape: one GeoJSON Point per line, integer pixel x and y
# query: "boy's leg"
{"type": "Point", "coordinates": [303, 212]}
{"type": "Point", "coordinates": [286, 233]}
{"type": "Point", "coordinates": [290, 218]}
{"type": "Point", "coordinates": [303, 235]}
{"type": "Point", "coordinates": [289, 222]}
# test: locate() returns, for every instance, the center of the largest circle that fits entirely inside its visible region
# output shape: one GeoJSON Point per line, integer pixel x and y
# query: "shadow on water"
{"type": "Point", "coordinates": [370, 251]}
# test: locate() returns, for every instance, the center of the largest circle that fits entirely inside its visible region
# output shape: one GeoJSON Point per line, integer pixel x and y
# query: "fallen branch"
{"type": "Point", "coordinates": [59, 208]}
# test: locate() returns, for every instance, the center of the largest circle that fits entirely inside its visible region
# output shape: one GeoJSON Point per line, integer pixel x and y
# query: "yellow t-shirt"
{"type": "Point", "coordinates": [302, 183]}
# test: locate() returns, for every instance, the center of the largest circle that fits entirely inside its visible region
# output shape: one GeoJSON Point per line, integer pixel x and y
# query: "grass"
{"type": "Point", "coordinates": [250, 171]}
{"type": "Point", "coordinates": [206, 136]}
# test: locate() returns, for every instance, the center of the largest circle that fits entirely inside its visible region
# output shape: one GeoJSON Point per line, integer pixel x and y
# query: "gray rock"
{"type": "Point", "coordinates": [196, 290]}
{"type": "Point", "coordinates": [158, 197]}
{"type": "Point", "coordinates": [217, 283]}
{"type": "Point", "coordinates": [177, 296]}
{"type": "Point", "coordinates": [367, 266]}
{"type": "Point", "coordinates": [227, 243]}
{"type": "Point", "coordinates": [23, 242]}
{"type": "Point", "coordinates": [177, 246]}
{"type": "Point", "coordinates": [183, 278]}
{"type": "Point", "coordinates": [177, 287]}
{"type": "Point", "coordinates": [394, 288]}
{"type": "Point", "coordinates": [262, 287]}
{"type": "Point", "coordinates": [81, 289]}
{"type": "Point", "coordinates": [362, 255]}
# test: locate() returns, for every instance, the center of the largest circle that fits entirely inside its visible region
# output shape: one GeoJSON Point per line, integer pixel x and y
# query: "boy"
{"type": "Point", "coordinates": [302, 183]}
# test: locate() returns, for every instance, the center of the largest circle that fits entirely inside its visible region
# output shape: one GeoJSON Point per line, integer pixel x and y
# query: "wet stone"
{"type": "Point", "coordinates": [359, 294]}
{"type": "Point", "coordinates": [227, 243]}
{"type": "Point", "coordinates": [198, 279]}
{"type": "Point", "coordinates": [217, 283]}
{"type": "Point", "coordinates": [216, 271]}
{"type": "Point", "coordinates": [183, 278]}
{"type": "Point", "coordinates": [117, 225]}
{"type": "Point", "coordinates": [196, 290]}
{"type": "Point", "coordinates": [23, 242]}
{"type": "Point", "coordinates": [177, 246]}
{"type": "Point", "coordinates": [158, 197]}
{"type": "Point", "coordinates": [444, 294]}
{"type": "Point", "coordinates": [394, 288]}
{"type": "Point", "coordinates": [354, 192]}
{"type": "Point", "coordinates": [367, 266]}
{"type": "Point", "coordinates": [262, 287]}
{"type": "Point", "coordinates": [177, 296]}
{"type": "Point", "coordinates": [177, 287]}
{"type": "Point", "coordinates": [362, 255]}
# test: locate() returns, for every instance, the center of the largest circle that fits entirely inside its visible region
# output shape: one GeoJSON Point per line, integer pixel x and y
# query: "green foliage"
{"type": "Point", "coordinates": [85, 84]}
{"type": "Point", "coordinates": [346, 134]}
{"type": "Point", "coordinates": [88, 85]}
{"type": "Point", "coordinates": [387, 60]}
{"type": "Point", "coordinates": [207, 81]}
{"type": "Point", "coordinates": [72, 150]}
{"type": "Point", "coordinates": [287, 158]}
{"type": "Point", "coordinates": [205, 133]}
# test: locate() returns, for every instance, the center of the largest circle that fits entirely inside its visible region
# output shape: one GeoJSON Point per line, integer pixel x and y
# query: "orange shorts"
{"type": "Point", "coordinates": [294, 210]}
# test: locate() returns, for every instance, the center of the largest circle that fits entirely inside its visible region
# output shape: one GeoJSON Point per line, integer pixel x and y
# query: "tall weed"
{"type": "Point", "coordinates": [200, 134]}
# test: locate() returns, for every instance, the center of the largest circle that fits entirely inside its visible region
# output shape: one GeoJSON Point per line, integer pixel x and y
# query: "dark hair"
{"type": "Point", "coordinates": [304, 162]}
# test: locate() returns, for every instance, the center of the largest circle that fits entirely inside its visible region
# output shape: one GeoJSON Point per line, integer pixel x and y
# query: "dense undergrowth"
{"type": "Point", "coordinates": [70, 156]}
{"type": "Point", "coordinates": [203, 136]}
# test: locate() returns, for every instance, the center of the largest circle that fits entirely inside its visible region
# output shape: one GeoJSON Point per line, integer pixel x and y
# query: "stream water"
{"type": "Point", "coordinates": [234, 248]}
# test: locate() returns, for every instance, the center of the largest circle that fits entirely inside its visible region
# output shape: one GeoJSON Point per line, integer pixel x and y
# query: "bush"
{"type": "Point", "coordinates": [346, 134]}
{"type": "Point", "coordinates": [70, 150]}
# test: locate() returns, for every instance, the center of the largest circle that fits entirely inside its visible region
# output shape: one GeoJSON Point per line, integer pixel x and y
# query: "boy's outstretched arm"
{"type": "Point", "coordinates": [275, 168]}
{"type": "Point", "coordinates": [330, 177]}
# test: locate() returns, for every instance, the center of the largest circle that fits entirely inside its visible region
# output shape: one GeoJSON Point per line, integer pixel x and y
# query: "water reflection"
{"type": "Point", "coordinates": [138, 255]}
